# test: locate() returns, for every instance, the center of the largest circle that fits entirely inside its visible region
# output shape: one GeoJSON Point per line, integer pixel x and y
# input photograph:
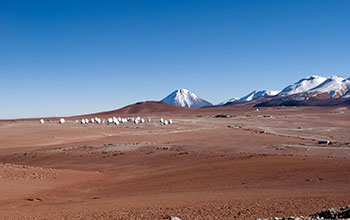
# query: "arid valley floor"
{"type": "Point", "coordinates": [199, 167]}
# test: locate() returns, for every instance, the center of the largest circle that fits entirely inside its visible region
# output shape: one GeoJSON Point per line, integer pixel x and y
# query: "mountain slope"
{"type": "Point", "coordinates": [347, 95]}
{"type": "Point", "coordinates": [288, 101]}
{"type": "Point", "coordinates": [185, 98]}
{"type": "Point", "coordinates": [303, 85]}
{"type": "Point", "coordinates": [313, 91]}
{"type": "Point", "coordinates": [148, 107]}
{"type": "Point", "coordinates": [256, 94]}
{"type": "Point", "coordinates": [335, 86]}
{"type": "Point", "coordinates": [252, 96]}
{"type": "Point", "coordinates": [228, 101]}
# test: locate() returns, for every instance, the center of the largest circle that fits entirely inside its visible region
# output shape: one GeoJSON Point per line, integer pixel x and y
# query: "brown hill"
{"type": "Point", "coordinates": [140, 108]}
{"type": "Point", "coordinates": [147, 107]}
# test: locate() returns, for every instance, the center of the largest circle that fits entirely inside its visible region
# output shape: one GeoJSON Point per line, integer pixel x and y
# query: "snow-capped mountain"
{"type": "Point", "coordinates": [303, 85]}
{"type": "Point", "coordinates": [313, 91]}
{"type": "Point", "coordinates": [335, 86]}
{"type": "Point", "coordinates": [256, 94]}
{"type": "Point", "coordinates": [230, 100]}
{"type": "Point", "coordinates": [251, 96]}
{"type": "Point", "coordinates": [185, 98]}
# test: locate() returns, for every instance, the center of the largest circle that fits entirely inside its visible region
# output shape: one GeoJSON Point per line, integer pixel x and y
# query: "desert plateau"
{"type": "Point", "coordinates": [259, 163]}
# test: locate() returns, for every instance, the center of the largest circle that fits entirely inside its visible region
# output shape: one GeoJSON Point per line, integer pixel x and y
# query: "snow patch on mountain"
{"type": "Point", "coordinates": [251, 96]}
{"type": "Point", "coordinates": [335, 86]}
{"type": "Point", "coordinates": [256, 94]}
{"type": "Point", "coordinates": [303, 85]}
{"type": "Point", "coordinates": [185, 98]}
{"type": "Point", "coordinates": [230, 100]}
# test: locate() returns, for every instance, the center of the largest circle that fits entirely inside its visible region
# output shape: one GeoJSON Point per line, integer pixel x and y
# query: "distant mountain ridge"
{"type": "Point", "coordinates": [335, 86]}
{"type": "Point", "coordinates": [309, 88]}
{"type": "Point", "coordinates": [185, 98]}
{"type": "Point", "coordinates": [306, 91]}
{"type": "Point", "coordinates": [303, 85]}
{"type": "Point", "coordinates": [252, 96]}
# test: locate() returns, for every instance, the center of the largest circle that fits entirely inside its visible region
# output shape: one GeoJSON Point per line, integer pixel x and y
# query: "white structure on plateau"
{"type": "Point", "coordinates": [98, 120]}
{"type": "Point", "coordinates": [42, 121]}
{"type": "Point", "coordinates": [115, 120]}
{"type": "Point", "coordinates": [62, 120]}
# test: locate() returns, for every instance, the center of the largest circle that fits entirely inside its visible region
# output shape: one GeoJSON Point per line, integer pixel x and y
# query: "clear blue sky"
{"type": "Point", "coordinates": [73, 57]}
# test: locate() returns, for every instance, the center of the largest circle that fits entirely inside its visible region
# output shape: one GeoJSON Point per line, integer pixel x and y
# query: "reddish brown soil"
{"type": "Point", "coordinates": [200, 167]}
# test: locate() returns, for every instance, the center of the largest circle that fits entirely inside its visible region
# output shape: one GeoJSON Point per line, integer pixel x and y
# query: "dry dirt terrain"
{"type": "Point", "coordinates": [257, 164]}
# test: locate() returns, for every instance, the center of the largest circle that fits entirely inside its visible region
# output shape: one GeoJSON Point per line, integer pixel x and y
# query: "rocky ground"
{"type": "Point", "coordinates": [200, 167]}
{"type": "Point", "coordinates": [341, 213]}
